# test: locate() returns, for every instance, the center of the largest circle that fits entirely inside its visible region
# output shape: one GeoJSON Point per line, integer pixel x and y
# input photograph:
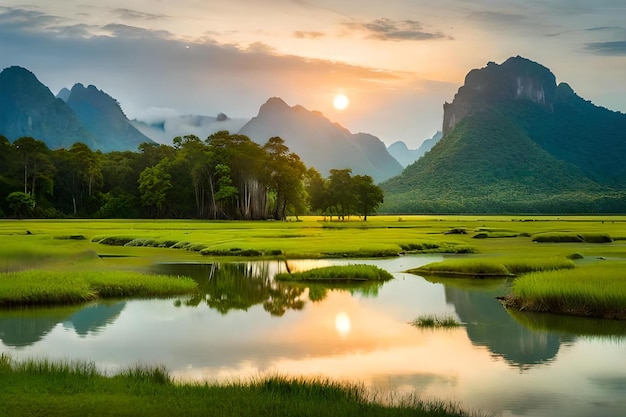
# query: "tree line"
{"type": "Point", "coordinates": [226, 176]}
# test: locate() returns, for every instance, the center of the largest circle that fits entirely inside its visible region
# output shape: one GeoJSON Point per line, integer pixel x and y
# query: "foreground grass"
{"type": "Point", "coordinates": [54, 287]}
{"type": "Point", "coordinates": [492, 267]}
{"type": "Point", "coordinates": [42, 387]}
{"type": "Point", "coordinates": [597, 290]}
{"type": "Point", "coordinates": [338, 273]}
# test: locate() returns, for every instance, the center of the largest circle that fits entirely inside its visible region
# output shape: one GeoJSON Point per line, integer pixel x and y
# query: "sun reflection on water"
{"type": "Point", "coordinates": [342, 324]}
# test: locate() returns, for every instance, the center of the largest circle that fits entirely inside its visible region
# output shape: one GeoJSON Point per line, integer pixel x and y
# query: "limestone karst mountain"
{"type": "Point", "coordinates": [515, 141]}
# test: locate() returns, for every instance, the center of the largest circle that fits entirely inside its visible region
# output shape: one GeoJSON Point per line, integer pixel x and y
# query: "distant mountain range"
{"type": "Point", "coordinates": [514, 141]}
{"type": "Point", "coordinates": [321, 143]}
{"type": "Point", "coordinates": [89, 115]}
{"type": "Point", "coordinates": [407, 156]}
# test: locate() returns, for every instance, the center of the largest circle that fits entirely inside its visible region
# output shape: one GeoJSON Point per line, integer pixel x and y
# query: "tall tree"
{"type": "Point", "coordinates": [34, 157]}
{"type": "Point", "coordinates": [317, 190]}
{"type": "Point", "coordinates": [245, 159]}
{"type": "Point", "coordinates": [341, 192]}
{"type": "Point", "coordinates": [368, 195]}
{"type": "Point", "coordinates": [285, 173]}
{"type": "Point", "coordinates": [154, 183]}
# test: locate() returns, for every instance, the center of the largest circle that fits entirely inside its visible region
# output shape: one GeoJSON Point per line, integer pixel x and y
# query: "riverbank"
{"type": "Point", "coordinates": [66, 389]}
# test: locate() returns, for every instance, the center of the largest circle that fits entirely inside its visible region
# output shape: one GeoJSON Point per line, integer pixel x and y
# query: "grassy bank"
{"type": "Point", "coordinates": [597, 290]}
{"type": "Point", "coordinates": [338, 273]}
{"type": "Point", "coordinates": [42, 387]}
{"type": "Point", "coordinates": [54, 287]}
{"type": "Point", "coordinates": [492, 267]}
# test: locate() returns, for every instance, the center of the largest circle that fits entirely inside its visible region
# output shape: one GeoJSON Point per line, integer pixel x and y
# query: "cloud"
{"type": "Point", "coordinates": [137, 15]}
{"type": "Point", "coordinates": [396, 30]}
{"type": "Point", "coordinates": [613, 48]}
{"type": "Point", "coordinates": [308, 35]}
{"type": "Point", "coordinates": [25, 18]}
{"type": "Point", "coordinates": [125, 31]}
{"type": "Point", "coordinates": [145, 68]}
{"type": "Point", "coordinates": [593, 29]}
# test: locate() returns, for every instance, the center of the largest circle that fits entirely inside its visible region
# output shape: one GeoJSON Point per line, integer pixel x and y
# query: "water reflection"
{"type": "Point", "coordinates": [488, 324]}
{"type": "Point", "coordinates": [26, 326]}
{"type": "Point", "coordinates": [569, 326]}
{"type": "Point", "coordinates": [357, 334]}
{"type": "Point", "coordinates": [227, 287]}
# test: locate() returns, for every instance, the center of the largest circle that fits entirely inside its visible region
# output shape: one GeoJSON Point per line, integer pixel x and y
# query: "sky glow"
{"type": "Point", "coordinates": [397, 61]}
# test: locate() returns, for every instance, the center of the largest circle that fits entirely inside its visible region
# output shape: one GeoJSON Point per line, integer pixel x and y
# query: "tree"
{"type": "Point", "coordinates": [369, 196]}
{"type": "Point", "coordinates": [21, 203]}
{"type": "Point", "coordinates": [284, 175]}
{"type": "Point", "coordinates": [225, 189]}
{"type": "Point", "coordinates": [245, 159]}
{"type": "Point", "coordinates": [341, 192]}
{"type": "Point", "coordinates": [154, 183]}
{"type": "Point", "coordinates": [34, 157]}
{"type": "Point", "coordinates": [317, 190]}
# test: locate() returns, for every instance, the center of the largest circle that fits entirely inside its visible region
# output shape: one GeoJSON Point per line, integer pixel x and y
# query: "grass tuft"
{"type": "Point", "coordinates": [561, 237]}
{"type": "Point", "coordinates": [433, 321]}
{"type": "Point", "coordinates": [338, 273]}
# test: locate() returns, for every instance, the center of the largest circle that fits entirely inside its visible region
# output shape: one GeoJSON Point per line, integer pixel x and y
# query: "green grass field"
{"type": "Point", "coordinates": [507, 245]}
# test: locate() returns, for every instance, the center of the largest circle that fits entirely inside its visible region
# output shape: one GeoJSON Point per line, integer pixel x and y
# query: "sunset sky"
{"type": "Point", "coordinates": [397, 61]}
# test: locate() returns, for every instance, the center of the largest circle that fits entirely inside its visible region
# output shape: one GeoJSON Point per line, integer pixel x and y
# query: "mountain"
{"type": "Point", "coordinates": [514, 141]}
{"type": "Point", "coordinates": [407, 156]}
{"type": "Point", "coordinates": [163, 128]}
{"type": "Point", "coordinates": [321, 143]}
{"type": "Point", "coordinates": [102, 116]}
{"type": "Point", "coordinates": [28, 108]}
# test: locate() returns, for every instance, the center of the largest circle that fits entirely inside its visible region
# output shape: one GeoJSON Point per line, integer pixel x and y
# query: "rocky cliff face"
{"type": "Point", "coordinates": [517, 79]}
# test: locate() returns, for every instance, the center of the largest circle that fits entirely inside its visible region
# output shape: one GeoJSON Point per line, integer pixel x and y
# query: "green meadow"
{"type": "Point", "coordinates": [589, 249]}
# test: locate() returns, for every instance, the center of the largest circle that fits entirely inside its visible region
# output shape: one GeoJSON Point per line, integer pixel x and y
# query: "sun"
{"type": "Point", "coordinates": [341, 101]}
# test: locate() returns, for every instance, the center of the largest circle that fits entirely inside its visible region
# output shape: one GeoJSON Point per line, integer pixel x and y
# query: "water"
{"type": "Point", "coordinates": [245, 325]}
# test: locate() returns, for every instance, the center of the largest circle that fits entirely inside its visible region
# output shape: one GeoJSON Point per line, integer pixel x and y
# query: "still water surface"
{"type": "Point", "coordinates": [245, 325]}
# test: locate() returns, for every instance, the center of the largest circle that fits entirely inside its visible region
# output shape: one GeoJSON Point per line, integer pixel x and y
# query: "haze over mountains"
{"type": "Point", "coordinates": [514, 141]}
